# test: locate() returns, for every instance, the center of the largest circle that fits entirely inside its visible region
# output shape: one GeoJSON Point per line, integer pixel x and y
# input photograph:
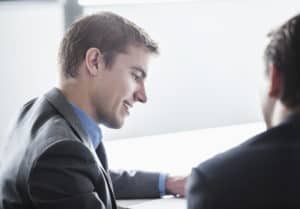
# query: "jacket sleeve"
{"type": "Point", "coordinates": [64, 176]}
{"type": "Point", "coordinates": [135, 184]}
{"type": "Point", "coordinates": [197, 194]}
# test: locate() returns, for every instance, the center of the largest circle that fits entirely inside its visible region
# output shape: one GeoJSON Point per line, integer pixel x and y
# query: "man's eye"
{"type": "Point", "coordinates": [136, 77]}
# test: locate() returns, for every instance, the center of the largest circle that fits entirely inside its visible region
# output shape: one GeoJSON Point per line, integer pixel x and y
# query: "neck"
{"type": "Point", "coordinates": [281, 112]}
{"type": "Point", "coordinates": [76, 93]}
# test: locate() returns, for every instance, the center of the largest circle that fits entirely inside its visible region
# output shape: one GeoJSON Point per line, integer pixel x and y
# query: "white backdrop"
{"type": "Point", "coordinates": [209, 70]}
{"type": "Point", "coordinates": [29, 39]}
{"type": "Point", "coordinates": [206, 76]}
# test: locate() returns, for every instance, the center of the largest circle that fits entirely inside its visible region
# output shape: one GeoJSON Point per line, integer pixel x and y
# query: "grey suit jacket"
{"type": "Point", "coordinates": [263, 172]}
{"type": "Point", "coordinates": [50, 163]}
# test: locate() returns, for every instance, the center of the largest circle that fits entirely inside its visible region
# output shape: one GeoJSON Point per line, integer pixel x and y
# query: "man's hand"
{"type": "Point", "coordinates": [175, 185]}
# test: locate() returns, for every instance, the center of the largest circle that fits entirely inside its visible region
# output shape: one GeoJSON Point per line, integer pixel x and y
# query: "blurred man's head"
{"type": "Point", "coordinates": [282, 58]}
{"type": "Point", "coordinates": [104, 62]}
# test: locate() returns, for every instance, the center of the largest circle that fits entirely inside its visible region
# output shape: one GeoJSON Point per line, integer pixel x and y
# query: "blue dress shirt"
{"type": "Point", "coordinates": [90, 126]}
{"type": "Point", "coordinates": [95, 134]}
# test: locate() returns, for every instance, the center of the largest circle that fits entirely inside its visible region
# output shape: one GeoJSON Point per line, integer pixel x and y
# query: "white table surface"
{"type": "Point", "coordinates": [163, 203]}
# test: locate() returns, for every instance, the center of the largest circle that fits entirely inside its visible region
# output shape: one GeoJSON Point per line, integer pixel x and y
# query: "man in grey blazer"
{"type": "Point", "coordinates": [264, 171]}
{"type": "Point", "coordinates": [55, 157]}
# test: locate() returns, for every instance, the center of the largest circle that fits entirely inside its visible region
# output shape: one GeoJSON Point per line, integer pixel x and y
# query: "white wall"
{"type": "Point", "coordinates": [206, 76]}
{"type": "Point", "coordinates": [29, 37]}
{"type": "Point", "coordinates": [210, 63]}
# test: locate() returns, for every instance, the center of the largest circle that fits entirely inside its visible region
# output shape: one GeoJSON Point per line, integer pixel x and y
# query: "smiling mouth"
{"type": "Point", "coordinates": [127, 106]}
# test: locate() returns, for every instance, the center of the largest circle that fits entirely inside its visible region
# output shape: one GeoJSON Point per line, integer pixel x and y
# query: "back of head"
{"type": "Point", "coordinates": [283, 51]}
{"type": "Point", "coordinates": [108, 32]}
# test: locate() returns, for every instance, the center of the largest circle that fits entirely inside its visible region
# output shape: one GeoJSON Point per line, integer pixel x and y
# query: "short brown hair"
{"type": "Point", "coordinates": [108, 32]}
{"type": "Point", "coordinates": [283, 52]}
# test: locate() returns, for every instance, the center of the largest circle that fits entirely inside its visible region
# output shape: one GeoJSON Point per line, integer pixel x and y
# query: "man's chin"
{"type": "Point", "coordinates": [117, 124]}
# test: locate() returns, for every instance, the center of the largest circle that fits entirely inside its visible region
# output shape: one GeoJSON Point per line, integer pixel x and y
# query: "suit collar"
{"type": "Point", "coordinates": [61, 104]}
{"type": "Point", "coordinates": [90, 126]}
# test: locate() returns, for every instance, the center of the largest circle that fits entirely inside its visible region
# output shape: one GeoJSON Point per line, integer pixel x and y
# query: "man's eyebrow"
{"type": "Point", "coordinates": [140, 69]}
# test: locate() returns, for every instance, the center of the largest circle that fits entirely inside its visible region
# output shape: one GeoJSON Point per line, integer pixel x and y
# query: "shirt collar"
{"type": "Point", "coordinates": [90, 126]}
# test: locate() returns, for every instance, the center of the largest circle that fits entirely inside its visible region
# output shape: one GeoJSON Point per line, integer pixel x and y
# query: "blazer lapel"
{"type": "Point", "coordinates": [60, 103]}
{"type": "Point", "coordinates": [106, 175]}
{"type": "Point", "coordinates": [102, 155]}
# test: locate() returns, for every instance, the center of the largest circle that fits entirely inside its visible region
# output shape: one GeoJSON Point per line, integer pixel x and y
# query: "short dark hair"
{"type": "Point", "coordinates": [283, 51]}
{"type": "Point", "coordinates": [108, 32]}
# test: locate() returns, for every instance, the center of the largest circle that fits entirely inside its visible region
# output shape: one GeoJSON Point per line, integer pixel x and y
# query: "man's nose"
{"type": "Point", "coordinates": [141, 94]}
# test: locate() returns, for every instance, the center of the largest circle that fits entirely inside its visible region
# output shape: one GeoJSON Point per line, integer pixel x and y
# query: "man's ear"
{"type": "Point", "coordinates": [94, 61]}
{"type": "Point", "coordinates": [275, 81]}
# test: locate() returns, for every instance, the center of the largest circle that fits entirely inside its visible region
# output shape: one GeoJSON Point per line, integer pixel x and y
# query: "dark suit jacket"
{"type": "Point", "coordinates": [263, 172]}
{"type": "Point", "coordinates": [50, 162]}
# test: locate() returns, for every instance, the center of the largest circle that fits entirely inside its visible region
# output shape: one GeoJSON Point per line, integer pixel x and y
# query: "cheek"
{"type": "Point", "coordinates": [127, 88]}
{"type": "Point", "coordinates": [122, 92]}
